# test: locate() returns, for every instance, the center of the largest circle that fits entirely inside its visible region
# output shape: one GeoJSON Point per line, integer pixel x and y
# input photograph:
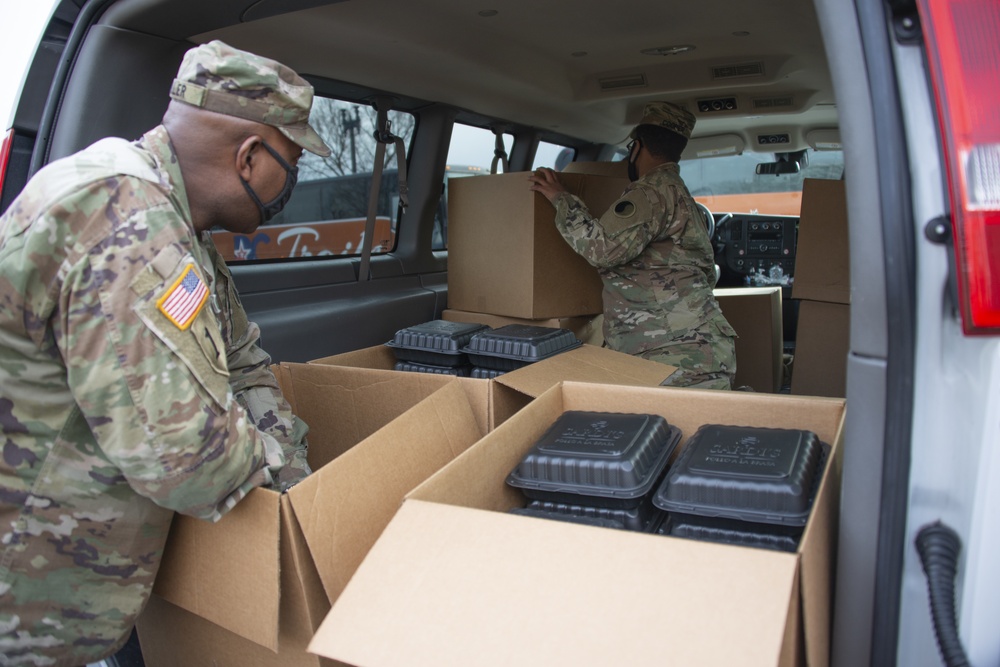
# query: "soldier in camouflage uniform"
{"type": "Point", "coordinates": [654, 256]}
{"type": "Point", "coordinates": [131, 383]}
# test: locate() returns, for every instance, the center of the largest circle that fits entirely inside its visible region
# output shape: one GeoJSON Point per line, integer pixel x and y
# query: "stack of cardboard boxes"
{"type": "Point", "coordinates": [507, 264]}
{"type": "Point", "coordinates": [401, 538]}
{"type": "Point", "coordinates": [456, 579]}
{"type": "Point", "coordinates": [823, 289]}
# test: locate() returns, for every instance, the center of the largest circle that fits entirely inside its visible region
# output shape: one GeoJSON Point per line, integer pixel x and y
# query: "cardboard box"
{"type": "Point", "coordinates": [513, 390]}
{"type": "Point", "coordinates": [457, 580]}
{"type": "Point", "coordinates": [617, 169]}
{"type": "Point", "coordinates": [822, 342]}
{"type": "Point", "coordinates": [252, 588]}
{"type": "Point", "coordinates": [505, 255]}
{"type": "Point", "coordinates": [755, 314]}
{"type": "Point", "coordinates": [588, 328]}
{"type": "Point", "coordinates": [822, 254]}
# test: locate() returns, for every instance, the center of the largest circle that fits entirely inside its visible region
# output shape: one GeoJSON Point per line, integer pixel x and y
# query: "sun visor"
{"type": "Point", "coordinates": [714, 146]}
{"type": "Point", "coordinates": [824, 140]}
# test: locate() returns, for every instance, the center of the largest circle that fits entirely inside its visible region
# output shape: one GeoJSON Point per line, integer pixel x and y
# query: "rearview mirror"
{"type": "Point", "coordinates": [785, 163]}
{"type": "Point", "coordinates": [778, 168]}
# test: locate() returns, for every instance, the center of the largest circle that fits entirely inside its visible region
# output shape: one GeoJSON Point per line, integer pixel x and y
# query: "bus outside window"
{"type": "Point", "coordinates": [328, 209]}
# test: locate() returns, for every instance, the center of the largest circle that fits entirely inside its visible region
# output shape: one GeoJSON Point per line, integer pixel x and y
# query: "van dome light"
{"type": "Point", "coordinates": [667, 50]}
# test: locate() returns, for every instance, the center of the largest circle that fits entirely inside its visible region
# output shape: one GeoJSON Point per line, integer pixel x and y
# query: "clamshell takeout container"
{"type": "Point", "coordinates": [436, 343]}
{"type": "Point", "coordinates": [731, 531]}
{"type": "Point", "coordinates": [513, 346]}
{"type": "Point", "coordinates": [600, 459]}
{"type": "Point", "coordinates": [765, 475]}
{"type": "Point", "coordinates": [644, 517]}
{"type": "Point", "coordinates": [413, 367]}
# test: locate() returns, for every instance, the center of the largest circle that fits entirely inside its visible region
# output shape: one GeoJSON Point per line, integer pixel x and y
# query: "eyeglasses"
{"type": "Point", "coordinates": [630, 146]}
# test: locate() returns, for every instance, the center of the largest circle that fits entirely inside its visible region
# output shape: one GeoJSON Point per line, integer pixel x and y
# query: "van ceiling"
{"type": "Point", "coordinates": [583, 68]}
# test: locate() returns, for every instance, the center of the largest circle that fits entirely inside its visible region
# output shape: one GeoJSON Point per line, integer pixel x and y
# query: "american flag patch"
{"type": "Point", "coordinates": [183, 301]}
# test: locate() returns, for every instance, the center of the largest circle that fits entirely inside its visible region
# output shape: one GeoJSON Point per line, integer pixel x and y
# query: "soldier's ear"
{"type": "Point", "coordinates": [245, 154]}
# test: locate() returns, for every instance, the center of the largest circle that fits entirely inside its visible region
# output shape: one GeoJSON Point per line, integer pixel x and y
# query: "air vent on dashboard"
{"type": "Point", "coordinates": [618, 82]}
{"type": "Point", "coordinates": [720, 104]}
{"type": "Point", "coordinates": [738, 71]}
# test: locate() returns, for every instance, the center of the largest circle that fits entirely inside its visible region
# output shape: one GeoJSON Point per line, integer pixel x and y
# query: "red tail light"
{"type": "Point", "coordinates": [8, 142]}
{"type": "Point", "coordinates": [964, 52]}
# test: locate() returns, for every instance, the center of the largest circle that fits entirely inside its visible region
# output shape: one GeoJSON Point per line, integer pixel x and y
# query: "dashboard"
{"type": "Point", "coordinates": [753, 249]}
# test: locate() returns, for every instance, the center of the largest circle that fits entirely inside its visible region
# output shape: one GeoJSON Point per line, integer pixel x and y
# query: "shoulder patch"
{"type": "Point", "coordinates": [183, 300]}
{"type": "Point", "coordinates": [631, 210]}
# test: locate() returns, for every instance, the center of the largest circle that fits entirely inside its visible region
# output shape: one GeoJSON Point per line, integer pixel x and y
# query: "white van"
{"type": "Point", "coordinates": [896, 101]}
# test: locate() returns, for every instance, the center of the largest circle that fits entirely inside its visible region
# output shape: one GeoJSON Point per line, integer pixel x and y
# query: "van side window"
{"type": "Point", "coordinates": [470, 153]}
{"type": "Point", "coordinates": [553, 156]}
{"type": "Point", "coordinates": [327, 212]}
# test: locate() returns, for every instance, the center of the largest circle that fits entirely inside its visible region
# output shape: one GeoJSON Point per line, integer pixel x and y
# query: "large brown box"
{"type": "Point", "coordinates": [618, 168]}
{"type": "Point", "coordinates": [455, 579]}
{"type": "Point", "coordinates": [252, 588]}
{"type": "Point", "coordinates": [755, 314]}
{"type": "Point", "coordinates": [822, 343]}
{"type": "Point", "coordinates": [505, 255]}
{"type": "Point", "coordinates": [822, 253]}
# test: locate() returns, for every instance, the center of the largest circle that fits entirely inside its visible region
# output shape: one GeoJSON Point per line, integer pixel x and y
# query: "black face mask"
{"type": "Point", "coordinates": [273, 207]}
{"type": "Point", "coordinates": [633, 175]}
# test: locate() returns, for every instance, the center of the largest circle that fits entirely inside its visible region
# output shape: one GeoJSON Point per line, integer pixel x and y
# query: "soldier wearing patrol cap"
{"type": "Point", "coordinates": [654, 256]}
{"type": "Point", "coordinates": [131, 382]}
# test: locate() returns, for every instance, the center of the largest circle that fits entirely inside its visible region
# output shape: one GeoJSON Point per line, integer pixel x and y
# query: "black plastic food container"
{"type": "Point", "coordinates": [731, 531]}
{"type": "Point", "coordinates": [485, 373]}
{"type": "Point", "coordinates": [601, 522]}
{"type": "Point", "coordinates": [642, 518]}
{"type": "Point", "coordinates": [601, 459]}
{"type": "Point", "coordinates": [413, 367]}
{"type": "Point", "coordinates": [437, 343]}
{"type": "Point", "coordinates": [515, 345]}
{"type": "Point", "coordinates": [764, 475]}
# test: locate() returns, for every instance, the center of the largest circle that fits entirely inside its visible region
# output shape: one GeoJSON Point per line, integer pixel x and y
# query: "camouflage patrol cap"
{"type": "Point", "coordinates": [669, 115]}
{"type": "Point", "coordinates": [217, 77]}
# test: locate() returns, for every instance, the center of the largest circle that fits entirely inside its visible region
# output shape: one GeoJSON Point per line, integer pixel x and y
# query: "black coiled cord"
{"type": "Point", "coordinates": [939, 546]}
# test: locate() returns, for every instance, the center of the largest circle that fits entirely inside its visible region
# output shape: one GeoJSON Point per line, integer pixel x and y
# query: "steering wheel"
{"type": "Point", "coordinates": [709, 219]}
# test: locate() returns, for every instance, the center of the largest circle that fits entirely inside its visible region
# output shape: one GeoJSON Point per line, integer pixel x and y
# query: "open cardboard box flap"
{"type": "Point", "coordinates": [365, 401]}
{"type": "Point", "coordinates": [343, 511]}
{"type": "Point", "coordinates": [236, 573]}
{"type": "Point", "coordinates": [251, 530]}
{"type": "Point", "coordinates": [455, 579]}
{"type": "Point", "coordinates": [586, 363]}
{"type": "Point", "coordinates": [444, 587]}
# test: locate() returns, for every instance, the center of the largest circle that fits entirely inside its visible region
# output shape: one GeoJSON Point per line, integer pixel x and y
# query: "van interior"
{"type": "Point", "coordinates": [553, 83]}
{"type": "Point", "coordinates": [452, 89]}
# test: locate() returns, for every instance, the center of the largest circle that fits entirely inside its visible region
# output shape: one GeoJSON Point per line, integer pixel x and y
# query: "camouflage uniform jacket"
{"type": "Point", "coordinates": [117, 386]}
{"type": "Point", "coordinates": [657, 265]}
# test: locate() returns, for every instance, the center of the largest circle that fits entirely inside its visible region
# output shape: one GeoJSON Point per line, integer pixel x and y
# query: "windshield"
{"type": "Point", "coordinates": [730, 184]}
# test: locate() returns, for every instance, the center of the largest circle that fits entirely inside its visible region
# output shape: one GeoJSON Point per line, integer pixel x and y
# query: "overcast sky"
{"type": "Point", "coordinates": [22, 21]}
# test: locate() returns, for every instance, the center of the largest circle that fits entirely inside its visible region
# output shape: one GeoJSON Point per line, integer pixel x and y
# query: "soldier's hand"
{"type": "Point", "coordinates": [545, 181]}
